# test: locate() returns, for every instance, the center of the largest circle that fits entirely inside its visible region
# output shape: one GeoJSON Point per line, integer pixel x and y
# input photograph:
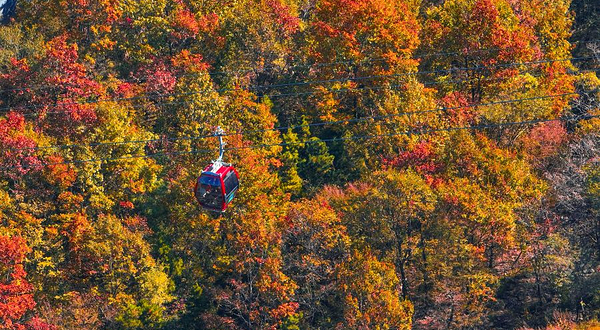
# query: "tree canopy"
{"type": "Point", "coordinates": [404, 164]}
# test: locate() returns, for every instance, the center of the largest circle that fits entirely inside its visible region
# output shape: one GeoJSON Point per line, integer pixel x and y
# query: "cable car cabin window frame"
{"type": "Point", "coordinates": [231, 183]}
{"type": "Point", "coordinates": [215, 182]}
{"type": "Point", "coordinates": [217, 187]}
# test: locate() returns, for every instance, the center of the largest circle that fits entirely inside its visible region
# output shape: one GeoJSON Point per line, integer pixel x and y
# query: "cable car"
{"type": "Point", "coordinates": [217, 184]}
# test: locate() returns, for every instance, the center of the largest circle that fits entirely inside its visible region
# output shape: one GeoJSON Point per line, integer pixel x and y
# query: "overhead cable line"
{"type": "Point", "coordinates": [361, 137]}
{"type": "Point", "coordinates": [299, 83]}
{"type": "Point", "coordinates": [396, 86]}
{"type": "Point", "coordinates": [421, 131]}
{"type": "Point", "coordinates": [288, 67]}
{"type": "Point", "coordinates": [329, 90]}
{"type": "Point", "coordinates": [282, 128]}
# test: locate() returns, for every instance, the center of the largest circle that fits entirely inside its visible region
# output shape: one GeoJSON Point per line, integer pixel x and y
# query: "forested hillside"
{"type": "Point", "coordinates": [404, 164]}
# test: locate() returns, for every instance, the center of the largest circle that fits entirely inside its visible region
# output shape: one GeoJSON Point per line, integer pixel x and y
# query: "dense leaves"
{"type": "Point", "coordinates": [384, 183]}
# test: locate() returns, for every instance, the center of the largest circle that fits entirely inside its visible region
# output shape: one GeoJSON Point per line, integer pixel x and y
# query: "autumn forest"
{"type": "Point", "coordinates": [403, 164]}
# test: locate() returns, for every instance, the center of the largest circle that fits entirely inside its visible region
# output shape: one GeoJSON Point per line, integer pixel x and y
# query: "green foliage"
{"type": "Point", "coordinates": [316, 164]}
{"type": "Point", "coordinates": [290, 180]}
{"type": "Point", "coordinates": [143, 315]}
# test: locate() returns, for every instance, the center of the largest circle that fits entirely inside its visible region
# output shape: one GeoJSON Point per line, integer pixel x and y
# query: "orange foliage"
{"type": "Point", "coordinates": [16, 296]}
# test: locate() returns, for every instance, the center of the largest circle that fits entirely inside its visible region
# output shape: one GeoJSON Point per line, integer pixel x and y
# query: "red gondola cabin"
{"type": "Point", "coordinates": [216, 186]}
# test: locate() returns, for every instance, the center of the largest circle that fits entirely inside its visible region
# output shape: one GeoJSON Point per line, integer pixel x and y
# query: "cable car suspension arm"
{"type": "Point", "coordinates": [219, 133]}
